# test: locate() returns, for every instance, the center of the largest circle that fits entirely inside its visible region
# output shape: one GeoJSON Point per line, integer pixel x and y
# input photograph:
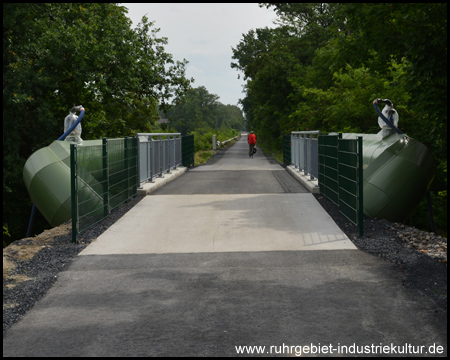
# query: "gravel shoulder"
{"type": "Point", "coordinates": [419, 257]}
{"type": "Point", "coordinates": [32, 265]}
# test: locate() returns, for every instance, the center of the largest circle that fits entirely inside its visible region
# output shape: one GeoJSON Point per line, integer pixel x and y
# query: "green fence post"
{"type": "Point", "coordinates": [105, 177]}
{"type": "Point", "coordinates": [126, 164]}
{"type": "Point", "coordinates": [321, 167]}
{"type": "Point", "coordinates": [134, 166]}
{"type": "Point", "coordinates": [188, 150]}
{"type": "Point", "coordinates": [287, 150]}
{"type": "Point", "coordinates": [338, 169]}
{"type": "Point", "coordinates": [360, 187]}
{"type": "Point", "coordinates": [73, 191]}
{"type": "Point", "coordinates": [138, 182]}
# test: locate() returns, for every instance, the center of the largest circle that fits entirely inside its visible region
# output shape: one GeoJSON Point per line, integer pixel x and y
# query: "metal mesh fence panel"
{"type": "Point", "coordinates": [328, 167]}
{"type": "Point", "coordinates": [340, 175]}
{"type": "Point", "coordinates": [102, 177]}
{"type": "Point", "coordinates": [122, 169]}
{"type": "Point", "coordinates": [187, 146]}
{"type": "Point", "coordinates": [287, 150]}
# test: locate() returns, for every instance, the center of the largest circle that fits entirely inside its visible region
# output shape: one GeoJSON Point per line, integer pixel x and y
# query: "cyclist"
{"type": "Point", "coordinates": [251, 139]}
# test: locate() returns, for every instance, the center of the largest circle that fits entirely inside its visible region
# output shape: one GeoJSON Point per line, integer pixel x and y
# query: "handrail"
{"type": "Point", "coordinates": [311, 132]}
{"type": "Point", "coordinates": [156, 156]}
{"type": "Point", "coordinates": [304, 152]}
{"type": "Point", "coordinates": [157, 134]}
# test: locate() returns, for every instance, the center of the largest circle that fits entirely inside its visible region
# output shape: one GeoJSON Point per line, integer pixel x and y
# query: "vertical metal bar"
{"type": "Point", "coordinates": [105, 176]}
{"type": "Point", "coordinates": [303, 149]}
{"type": "Point", "coordinates": [294, 151]}
{"type": "Point", "coordinates": [360, 187]}
{"type": "Point", "coordinates": [320, 172]}
{"type": "Point", "coordinates": [138, 160]}
{"type": "Point", "coordinates": [320, 169]}
{"type": "Point", "coordinates": [337, 156]}
{"type": "Point", "coordinates": [131, 167]}
{"type": "Point", "coordinates": [134, 156]}
{"type": "Point", "coordinates": [73, 191]}
{"type": "Point", "coordinates": [175, 152]}
{"type": "Point", "coordinates": [175, 147]}
{"type": "Point", "coordinates": [305, 155]}
{"type": "Point", "coordinates": [151, 154]}
{"type": "Point", "coordinates": [308, 163]}
{"type": "Point", "coordinates": [160, 155]}
{"type": "Point", "coordinates": [314, 159]}
{"type": "Point", "coordinates": [179, 152]}
{"type": "Point", "coordinates": [126, 165]}
{"type": "Point", "coordinates": [168, 154]}
{"type": "Point", "coordinates": [148, 163]}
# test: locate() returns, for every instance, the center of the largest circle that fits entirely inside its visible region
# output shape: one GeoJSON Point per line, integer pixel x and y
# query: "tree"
{"type": "Point", "coordinates": [271, 58]}
{"type": "Point", "coordinates": [415, 33]}
{"type": "Point", "coordinates": [200, 111]}
{"type": "Point", "coordinates": [324, 64]}
{"type": "Point", "coordinates": [64, 54]}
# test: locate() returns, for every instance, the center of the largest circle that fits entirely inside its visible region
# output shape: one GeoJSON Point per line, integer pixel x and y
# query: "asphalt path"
{"type": "Point", "coordinates": [229, 255]}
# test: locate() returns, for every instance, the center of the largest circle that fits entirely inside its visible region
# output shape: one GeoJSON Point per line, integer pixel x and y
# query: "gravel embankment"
{"type": "Point", "coordinates": [26, 280]}
{"type": "Point", "coordinates": [419, 257]}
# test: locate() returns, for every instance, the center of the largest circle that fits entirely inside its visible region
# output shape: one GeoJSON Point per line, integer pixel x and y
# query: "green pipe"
{"type": "Point", "coordinates": [398, 171]}
{"type": "Point", "coordinates": [47, 178]}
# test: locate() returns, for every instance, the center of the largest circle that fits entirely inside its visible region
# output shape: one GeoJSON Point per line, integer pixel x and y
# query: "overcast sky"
{"type": "Point", "coordinates": [204, 34]}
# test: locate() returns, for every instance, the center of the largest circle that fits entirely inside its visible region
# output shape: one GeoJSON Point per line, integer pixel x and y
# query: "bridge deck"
{"type": "Point", "coordinates": [129, 294]}
{"type": "Point", "coordinates": [236, 203]}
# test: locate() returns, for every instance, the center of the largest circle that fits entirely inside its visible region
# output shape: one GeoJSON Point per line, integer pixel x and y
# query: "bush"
{"type": "Point", "coordinates": [203, 137]}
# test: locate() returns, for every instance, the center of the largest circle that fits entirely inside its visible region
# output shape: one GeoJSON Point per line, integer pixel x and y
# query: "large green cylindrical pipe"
{"type": "Point", "coordinates": [396, 182]}
{"type": "Point", "coordinates": [397, 173]}
{"type": "Point", "coordinates": [47, 178]}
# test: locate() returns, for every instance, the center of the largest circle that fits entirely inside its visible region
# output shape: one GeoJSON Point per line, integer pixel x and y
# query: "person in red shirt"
{"type": "Point", "coordinates": [251, 138]}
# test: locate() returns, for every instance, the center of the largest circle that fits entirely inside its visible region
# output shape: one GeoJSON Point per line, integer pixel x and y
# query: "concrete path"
{"type": "Point", "coordinates": [216, 260]}
{"type": "Point", "coordinates": [236, 203]}
{"type": "Point", "coordinates": [221, 223]}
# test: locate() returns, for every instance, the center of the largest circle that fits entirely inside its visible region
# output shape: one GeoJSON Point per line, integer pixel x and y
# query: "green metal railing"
{"type": "Point", "coordinates": [341, 175]}
{"type": "Point", "coordinates": [187, 150]}
{"type": "Point", "coordinates": [102, 177]}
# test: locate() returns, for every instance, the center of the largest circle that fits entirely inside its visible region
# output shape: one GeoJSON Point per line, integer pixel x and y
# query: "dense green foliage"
{"type": "Point", "coordinates": [59, 55]}
{"type": "Point", "coordinates": [203, 137]}
{"type": "Point", "coordinates": [324, 64]}
{"type": "Point", "coordinates": [201, 111]}
{"type": "Point", "coordinates": [201, 114]}
{"type": "Point", "coordinates": [203, 142]}
{"type": "Point", "coordinates": [319, 69]}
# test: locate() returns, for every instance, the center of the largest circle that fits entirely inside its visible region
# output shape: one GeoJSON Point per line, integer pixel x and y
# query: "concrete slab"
{"type": "Point", "coordinates": [233, 182]}
{"type": "Point", "coordinates": [148, 187]}
{"type": "Point", "coordinates": [311, 185]}
{"type": "Point", "coordinates": [222, 223]}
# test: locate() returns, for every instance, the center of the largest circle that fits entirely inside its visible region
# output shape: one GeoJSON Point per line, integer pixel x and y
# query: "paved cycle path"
{"type": "Point", "coordinates": [235, 253]}
{"type": "Point", "coordinates": [236, 203]}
